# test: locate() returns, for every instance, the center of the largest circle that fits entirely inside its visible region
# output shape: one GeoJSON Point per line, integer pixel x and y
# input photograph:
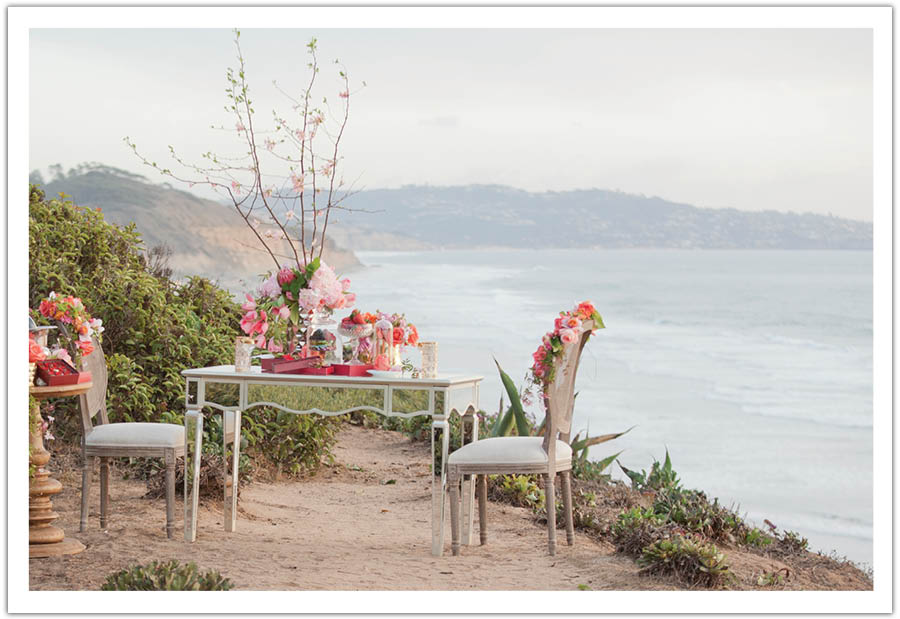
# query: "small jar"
{"type": "Point", "coordinates": [323, 339]}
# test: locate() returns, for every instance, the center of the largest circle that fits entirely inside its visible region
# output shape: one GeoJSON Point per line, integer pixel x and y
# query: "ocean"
{"type": "Point", "coordinates": [753, 368]}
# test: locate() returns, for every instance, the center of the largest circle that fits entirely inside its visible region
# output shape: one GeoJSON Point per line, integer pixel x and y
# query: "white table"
{"type": "Point", "coordinates": [222, 390]}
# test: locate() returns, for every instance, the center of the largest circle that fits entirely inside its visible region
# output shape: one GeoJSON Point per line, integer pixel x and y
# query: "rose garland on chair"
{"type": "Point", "coordinates": [566, 330]}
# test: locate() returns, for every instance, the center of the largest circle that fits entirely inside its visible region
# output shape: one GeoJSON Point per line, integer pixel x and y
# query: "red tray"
{"type": "Point", "coordinates": [318, 371]}
{"type": "Point", "coordinates": [280, 365]}
{"type": "Point", "coordinates": [56, 372]}
{"type": "Point", "coordinates": [345, 369]}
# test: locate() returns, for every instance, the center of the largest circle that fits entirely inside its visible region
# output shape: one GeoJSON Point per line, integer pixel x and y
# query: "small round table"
{"type": "Point", "coordinates": [44, 539]}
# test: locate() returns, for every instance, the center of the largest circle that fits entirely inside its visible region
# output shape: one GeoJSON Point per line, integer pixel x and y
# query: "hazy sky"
{"type": "Point", "coordinates": [752, 119]}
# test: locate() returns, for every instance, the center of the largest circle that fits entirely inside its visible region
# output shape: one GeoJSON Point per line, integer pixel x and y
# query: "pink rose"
{"type": "Point", "coordinates": [568, 336]}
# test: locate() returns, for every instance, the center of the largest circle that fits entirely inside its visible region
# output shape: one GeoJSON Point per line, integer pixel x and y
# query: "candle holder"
{"type": "Point", "coordinates": [429, 359]}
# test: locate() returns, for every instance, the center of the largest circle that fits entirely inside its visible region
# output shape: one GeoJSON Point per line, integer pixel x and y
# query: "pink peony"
{"type": "Point", "coordinates": [285, 276]}
{"type": "Point", "coordinates": [309, 299]}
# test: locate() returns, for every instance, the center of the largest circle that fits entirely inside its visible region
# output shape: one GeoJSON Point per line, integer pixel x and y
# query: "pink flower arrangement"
{"type": "Point", "coordinates": [273, 317]}
{"type": "Point", "coordinates": [567, 330]}
{"type": "Point", "coordinates": [71, 312]}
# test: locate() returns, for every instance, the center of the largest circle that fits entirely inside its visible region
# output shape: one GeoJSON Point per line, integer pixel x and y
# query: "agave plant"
{"type": "Point", "coordinates": [515, 415]}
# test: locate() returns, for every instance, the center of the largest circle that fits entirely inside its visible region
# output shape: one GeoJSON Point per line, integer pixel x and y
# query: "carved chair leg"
{"type": "Point", "coordinates": [567, 506]}
{"type": "Point", "coordinates": [87, 472]}
{"type": "Point", "coordinates": [170, 493]}
{"type": "Point", "coordinates": [482, 508]}
{"type": "Point", "coordinates": [104, 491]}
{"type": "Point", "coordinates": [550, 504]}
{"type": "Point", "coordinates": [453, 484]}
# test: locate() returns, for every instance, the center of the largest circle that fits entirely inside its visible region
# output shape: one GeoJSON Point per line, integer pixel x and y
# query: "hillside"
{"type": "Point", "coordinates": [206, 238]}
{"type": "Point", "coordinates": [496, 216]}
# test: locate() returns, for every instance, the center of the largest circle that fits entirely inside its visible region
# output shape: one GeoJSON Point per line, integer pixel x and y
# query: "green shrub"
{"type": "Point", "coordinates": [774, 578]}
{"type": "Point", "coordinates": [791, 543]}
{"type": "Point", "coordinates": [169, 576]}
{"type": "Point", "coordinates": [691, 561]}
{"type": "Point", "coordinates": [691, 510]}
{"type": "Point", "coordinates": [756, 538]}
{"type": "Point", "coordinates": [661, 476]}
{"type": "Point", "coordinates": [518, 490]}
{"type": "Point", "coordinates": [155, 328]}
{"type": "Point", "coordinates": [636, 529]}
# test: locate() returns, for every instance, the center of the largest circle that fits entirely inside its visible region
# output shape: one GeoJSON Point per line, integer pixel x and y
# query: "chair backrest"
{"type": "Point", "coordinates": [94, 401]}
{"type": "Point", "coordinates": [559, 397]}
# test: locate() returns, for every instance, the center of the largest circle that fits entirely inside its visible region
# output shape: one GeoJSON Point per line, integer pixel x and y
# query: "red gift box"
{"type": "Point", "coordinates": [345, 369]}
{"type": "Point", "coordinates": [56, 372]}
{"type": "Point", "coordinates": [318, 371]}
{"type": "Point", "coordinates": [280, 365]}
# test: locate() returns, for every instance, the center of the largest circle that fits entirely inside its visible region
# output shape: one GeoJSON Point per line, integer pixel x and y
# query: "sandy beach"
{"type": "Point", "coordinates": [345, 528]}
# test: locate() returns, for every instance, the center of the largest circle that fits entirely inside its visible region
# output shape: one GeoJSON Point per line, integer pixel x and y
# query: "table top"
{"type": "Point", "coordinates": [59, 391]}
{"type": "Point", "coordinates": [226, 373]}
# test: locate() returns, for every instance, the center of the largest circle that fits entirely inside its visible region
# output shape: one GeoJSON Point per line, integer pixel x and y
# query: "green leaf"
{"type": "Point", "coordinates": [605, 462]}
{"type": "Point", "coordinates": [312, 267]}
{"type": "Point", "coordinates": [515, 402]}
{"type": "Point", "coordinates": [637, 479]}
{"type": "Point", "coordinates": [596, 440]}
{"type": "Point", "coordinates": [502, 425]}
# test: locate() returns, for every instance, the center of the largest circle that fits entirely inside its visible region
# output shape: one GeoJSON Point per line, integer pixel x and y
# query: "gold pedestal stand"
{"type": "Point", "coordinates": [44, 539]}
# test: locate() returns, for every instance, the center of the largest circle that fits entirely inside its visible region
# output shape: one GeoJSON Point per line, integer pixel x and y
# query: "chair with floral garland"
{"type": "Point", "coordinates": [548, 455]}
{"type": "Point", "coordinates": [112, 440]}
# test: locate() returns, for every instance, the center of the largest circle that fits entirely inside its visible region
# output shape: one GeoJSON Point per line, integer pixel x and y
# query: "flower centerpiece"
{"type": "Point", "coordinates": [76, 328]}
{"type": "Point", "coordinates": [398, 333]}
{"type": "Point", "coordinates": [567, 330]}
{"type": "Point", "coordinates": [288, 300]}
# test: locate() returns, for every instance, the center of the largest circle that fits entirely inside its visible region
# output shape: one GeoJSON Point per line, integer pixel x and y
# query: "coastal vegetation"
{"type": "Point", "coordinates": [156, 327]}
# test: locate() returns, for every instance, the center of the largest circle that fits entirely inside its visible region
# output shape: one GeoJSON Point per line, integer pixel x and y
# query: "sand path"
{"type": "Point", "coordinates": [343, 529]}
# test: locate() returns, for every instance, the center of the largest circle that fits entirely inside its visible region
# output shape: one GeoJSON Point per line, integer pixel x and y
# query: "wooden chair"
{"type": "Point", "coordinates": [113, 440]}
{"type": "Point", "coordinates": [547, 455]}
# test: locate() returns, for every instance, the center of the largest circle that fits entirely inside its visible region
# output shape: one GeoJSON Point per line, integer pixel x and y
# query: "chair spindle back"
{"type": "Point", "coordinates": [559, 398]}
{"type": "Point", "coordinates": [94, 401]}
